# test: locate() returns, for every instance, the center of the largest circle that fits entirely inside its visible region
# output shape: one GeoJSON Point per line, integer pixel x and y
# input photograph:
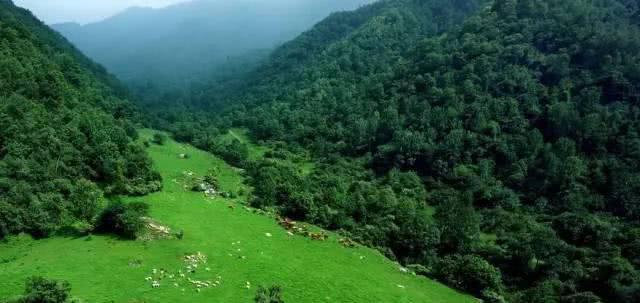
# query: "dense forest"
{"type": "Point", "coordinates": [493, 145]}
{"type": "Point", "coordinates": [65, 138]}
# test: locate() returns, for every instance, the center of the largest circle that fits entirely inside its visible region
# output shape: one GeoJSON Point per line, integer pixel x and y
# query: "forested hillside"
{"type": "Point", "coordinates": [500, 156]}
{"type": "Point", "coordinates": [64, 139]}
{"type": "Point", "coordinates": [174, 46]}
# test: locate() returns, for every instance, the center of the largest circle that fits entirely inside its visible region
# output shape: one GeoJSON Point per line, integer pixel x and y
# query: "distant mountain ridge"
{"type": "Point", "coordinates": [190, 39]}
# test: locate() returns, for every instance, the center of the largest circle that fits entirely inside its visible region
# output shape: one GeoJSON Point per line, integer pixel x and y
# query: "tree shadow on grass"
{"type": "Point", "coordinates": [75, 233]}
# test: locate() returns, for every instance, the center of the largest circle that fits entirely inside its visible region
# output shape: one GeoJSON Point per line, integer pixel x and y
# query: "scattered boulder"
{"type": "Point", "coordinates": [154, 230]}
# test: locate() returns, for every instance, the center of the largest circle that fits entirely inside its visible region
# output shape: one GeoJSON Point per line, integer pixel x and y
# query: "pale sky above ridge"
{"type": "Point", "coordinates": [84, 11]}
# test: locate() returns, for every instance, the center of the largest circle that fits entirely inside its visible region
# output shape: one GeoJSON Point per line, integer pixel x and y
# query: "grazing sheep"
{"type": "Point", "coordinates": [268, 235]}
{"type": "Point", "coordinates": [155, 284]}
{"type": "Point", "coordinates": [320, 236]}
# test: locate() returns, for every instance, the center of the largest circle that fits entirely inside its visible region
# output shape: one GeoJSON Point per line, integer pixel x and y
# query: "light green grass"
{"type": "Point", "coordinates": [99, 269]}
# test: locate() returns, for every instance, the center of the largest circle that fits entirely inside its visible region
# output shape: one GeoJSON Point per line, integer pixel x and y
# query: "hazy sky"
{"type": "Point", "coordinates": [84, 11]}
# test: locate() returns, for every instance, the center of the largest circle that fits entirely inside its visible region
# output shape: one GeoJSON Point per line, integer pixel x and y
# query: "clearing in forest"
{"type": "Point", "coordinates": [235, 249]}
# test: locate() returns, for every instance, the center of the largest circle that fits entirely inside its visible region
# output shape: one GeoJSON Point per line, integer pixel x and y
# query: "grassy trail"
{"type": "Point", "coordinates": [104, 269]}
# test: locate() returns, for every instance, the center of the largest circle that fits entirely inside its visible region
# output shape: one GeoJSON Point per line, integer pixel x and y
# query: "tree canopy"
{"type": "Point", "coordinates": [516, 120]}
{"type": "Point", "coordinates": [65, 137]}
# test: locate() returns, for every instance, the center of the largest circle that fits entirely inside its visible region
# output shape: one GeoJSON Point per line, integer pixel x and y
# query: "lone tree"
{"type": "Point", "coordinates": [271, 295]}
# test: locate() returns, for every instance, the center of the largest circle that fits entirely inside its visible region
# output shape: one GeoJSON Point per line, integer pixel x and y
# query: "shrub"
{"type": "Point", "coordinates": [470, 273]}
{"type": "Point", "coordinates": [41, 290]}
{"type": "Point", "coordinates": [122, 219]}
{"type": "Point", "coordinates": [159, 138]}
{"type": "Point", "coordinates": [271, 295]}
{"type": "Point", "coordinates": [211, 179]}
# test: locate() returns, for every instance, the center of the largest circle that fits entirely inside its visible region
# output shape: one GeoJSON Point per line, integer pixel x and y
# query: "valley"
{"type": "Point", "coordinates": [102, 268]}
{"type": "Point", "coordinates": [320, 151]}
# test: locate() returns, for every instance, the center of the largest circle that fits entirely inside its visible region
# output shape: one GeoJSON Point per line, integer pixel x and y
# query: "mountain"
{"type": "Point", "coordinates": [65, 140]}
{"type": "Point", "coordinates": [186, 41]}
{"type": "Point", "coordinates": [519, 117]}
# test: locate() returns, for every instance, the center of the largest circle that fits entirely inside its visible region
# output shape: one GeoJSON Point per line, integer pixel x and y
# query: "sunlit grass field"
{"type": "Point", "coordinates": [105, 269]}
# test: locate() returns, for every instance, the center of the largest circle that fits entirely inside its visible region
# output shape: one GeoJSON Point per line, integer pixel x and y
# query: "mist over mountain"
{"type": "Point", "coordinates": [184, 41]}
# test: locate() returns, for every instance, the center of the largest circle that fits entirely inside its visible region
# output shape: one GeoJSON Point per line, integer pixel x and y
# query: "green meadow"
{"type": "Point", "coordinates": [244, 250]}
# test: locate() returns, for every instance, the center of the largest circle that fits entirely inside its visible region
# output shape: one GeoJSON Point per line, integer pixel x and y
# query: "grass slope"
{"type": "Point", "coordinates": [100, 267]}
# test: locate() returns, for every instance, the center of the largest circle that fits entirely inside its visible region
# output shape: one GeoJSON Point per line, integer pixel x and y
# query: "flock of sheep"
{"type": "Point", "coordinates": [193, 263]}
